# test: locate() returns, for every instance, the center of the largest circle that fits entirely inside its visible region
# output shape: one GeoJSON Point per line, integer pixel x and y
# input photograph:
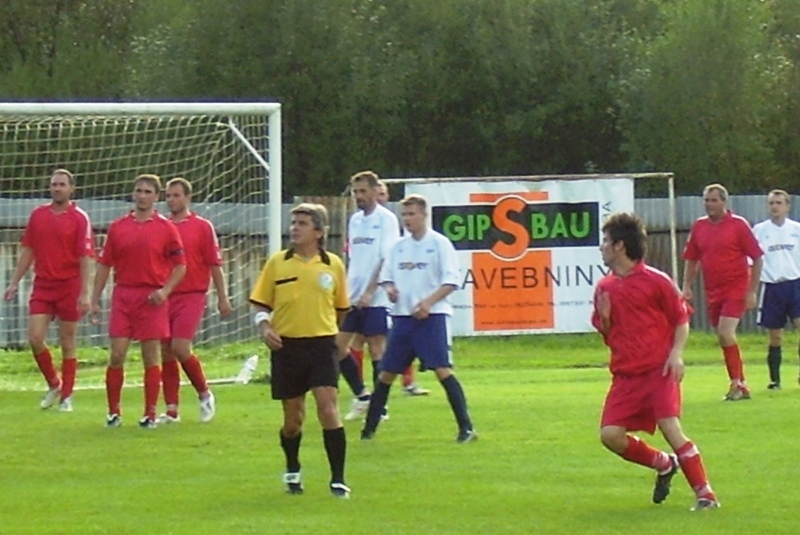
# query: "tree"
{"type": "Point", "coordinates": [698, 98]}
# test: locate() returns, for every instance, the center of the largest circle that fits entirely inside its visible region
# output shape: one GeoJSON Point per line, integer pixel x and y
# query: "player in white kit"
{"type": "Point", "coordinates": [371, 233]}
{"type": "Point", "coordinates": [419, 275]}
{"type": "Point", "coordinates": [779, 238]}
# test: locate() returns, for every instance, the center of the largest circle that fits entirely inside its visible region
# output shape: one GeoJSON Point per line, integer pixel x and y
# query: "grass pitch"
{"type": "Point", "coordinates": [538, 466]}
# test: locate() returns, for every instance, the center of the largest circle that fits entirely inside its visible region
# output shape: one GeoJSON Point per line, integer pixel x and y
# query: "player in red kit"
{"type": "Point", "coordinates": [644, 322]}
{"type": "Point", "coordinates": [723, 245]}
{"type": "Point", "coordinates": [146, 252]}
{"type": "Point", "coordinates": [187, 302]}
{"type": "Point", "coordinates": [58, 243]}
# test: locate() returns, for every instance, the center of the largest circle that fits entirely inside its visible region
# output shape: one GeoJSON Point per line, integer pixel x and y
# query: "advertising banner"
{"type": "Point", "coordinates": [528, 251]}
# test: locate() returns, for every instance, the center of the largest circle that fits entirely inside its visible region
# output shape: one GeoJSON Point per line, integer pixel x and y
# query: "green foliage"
{"type": "Point", "coordinates": [706, 89]}
{"type": "Point", "coordinates": [699, 102]}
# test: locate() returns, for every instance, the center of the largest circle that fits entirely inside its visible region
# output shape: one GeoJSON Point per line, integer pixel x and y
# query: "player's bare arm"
{"type": "Point", "coordinates": [391, 291]}
{"type": "Point", "coordinates": [751, 300]}
{"type": "Point", "coordinates": [100, 280]}
{"type": "Point", "coordinates": [689, 275]}
{"type": "Point", "coordinates": [369, 294]}
{"type": "Point", "coordinates": [159, 296]}
{"type": "Point", "coordinates": [269, 335]}
{"type": "Point", "coordinates": [84, 301]}
{"type": "Point", "coordinates": [603, 307]}
{"type": "Point", "coordinates": [23, 265]}
{"type": "Point", "coordinates": [223, 302]}
{"type": "Point", "coordinates": [423, 308]}
{"type": "Point", "coordinates": [674, 364]}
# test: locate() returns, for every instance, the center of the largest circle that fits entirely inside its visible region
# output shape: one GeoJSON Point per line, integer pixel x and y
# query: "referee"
{"type": "Point", "coordinates": [300, 299]}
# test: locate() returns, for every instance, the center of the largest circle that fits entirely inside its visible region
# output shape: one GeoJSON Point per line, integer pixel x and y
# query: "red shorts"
{"type": "Point", "coordinates": [56, 298]}
{"type": "Point", "coordinates": [637, 402]}
{"type": "Point", "coordinates": [730, 308]}
{"type": "Point", "coordinates": [134, 316]}
{"type": "Point", "coordinates": [185, 313]}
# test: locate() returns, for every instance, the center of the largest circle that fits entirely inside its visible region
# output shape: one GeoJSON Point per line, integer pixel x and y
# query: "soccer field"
{"type": "Point", "coordinates": [538, 466]}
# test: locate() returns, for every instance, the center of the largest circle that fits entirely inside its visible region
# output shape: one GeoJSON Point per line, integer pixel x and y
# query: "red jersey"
{"type": "Point", "coordinates": [142, 253]}
{"type": "Point", "coordinates": [58, 241]}
{"type": "Point", "coordinates": [646, 308]}
{"type": "Point", "coordinates": [201, 249]}
{"type": "Point", "coordinates": [722, 248]}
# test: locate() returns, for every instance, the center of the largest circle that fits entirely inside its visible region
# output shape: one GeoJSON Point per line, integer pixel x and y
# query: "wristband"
{"type": "Point", "coordinates": [261, 317]}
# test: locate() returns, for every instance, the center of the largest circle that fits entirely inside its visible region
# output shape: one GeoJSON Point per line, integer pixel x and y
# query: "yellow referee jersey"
{"type": "Point", "coordinates": [303, 295]}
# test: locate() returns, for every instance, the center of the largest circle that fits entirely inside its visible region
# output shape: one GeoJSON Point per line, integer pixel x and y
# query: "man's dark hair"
{"type": "Point", "coordinates": [628, 229]}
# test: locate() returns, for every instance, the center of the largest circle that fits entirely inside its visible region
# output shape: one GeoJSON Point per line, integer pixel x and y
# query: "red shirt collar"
{"type": "Point", "coordinates": [70, 207]}
{"type": "Point", "coordinates": [132, 215]}
{"type": "Point", "coordinates": [190, 215]}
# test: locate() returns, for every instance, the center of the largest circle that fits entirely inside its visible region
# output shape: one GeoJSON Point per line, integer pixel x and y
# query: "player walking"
{"type": "Point", "coordinates": [723, 244]}
{"type": "Point", "coordinates": [187, 302]}
{"type": "Point", "coordinates": [372, 231]}
{"type": "Point", "coordinates": [419, 274]}
{"type": "Point", "coordinates": [58, 243]}
{"type": "Point", "coordinates": [779, 237]}
{"type": "Point", "coordinates": [146, 253]}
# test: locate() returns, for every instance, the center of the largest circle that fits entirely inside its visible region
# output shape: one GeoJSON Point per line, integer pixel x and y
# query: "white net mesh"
{"type": "Point", "coordinates": [106, 153]}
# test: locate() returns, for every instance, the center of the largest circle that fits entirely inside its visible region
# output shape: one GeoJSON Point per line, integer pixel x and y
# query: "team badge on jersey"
{"type": "Point", "coordinates": [326, 281]}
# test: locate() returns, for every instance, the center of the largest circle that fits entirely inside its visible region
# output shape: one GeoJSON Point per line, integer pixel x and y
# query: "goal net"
{"type": "Point", "coordinates": [230, 153]}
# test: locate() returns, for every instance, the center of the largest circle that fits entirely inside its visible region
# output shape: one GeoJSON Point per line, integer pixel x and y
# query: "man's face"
{"type": "Point", "coordinates": [778, 205]}
{"type": "Point", "coordinates": [413, 218]}
{"type": "Point", "coordinates": [364, 194]}
{"type": "Point", "coordinates": [60, 188]}
{"type": "Point", "coordinates": [302, 232]}
{"type": "Point", "coordinates": [715, 206]}
{"type": "Point", "coordinates": [144, 195]}
{"type": "Point", "coordinates": [609, 250]}
{"type": "Point", "coordinates": [382, 195]}
{"type": "Point", "coordinates": [177, 200]}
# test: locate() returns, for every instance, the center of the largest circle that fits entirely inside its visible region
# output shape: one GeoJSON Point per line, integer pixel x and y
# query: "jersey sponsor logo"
{"type": "Point", "coordinates": [781, 247]}
{"type": "Point", "coordinates": [411, 266]}
{"type": "Point", "coordinates": [363, 240]}
{"type": "Point", "coordinates": [511, 225]}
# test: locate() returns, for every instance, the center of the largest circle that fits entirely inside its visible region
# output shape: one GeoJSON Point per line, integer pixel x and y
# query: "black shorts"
{"type": "Point", "coordinates": [302, 364]}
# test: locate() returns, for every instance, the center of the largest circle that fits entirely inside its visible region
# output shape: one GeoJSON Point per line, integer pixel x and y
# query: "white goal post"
{"type": "Point", "coordinates": [229, 151]}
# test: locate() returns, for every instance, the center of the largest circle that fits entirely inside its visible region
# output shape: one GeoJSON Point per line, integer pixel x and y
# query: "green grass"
{"type": "Point", "coordinates": [537, 468]}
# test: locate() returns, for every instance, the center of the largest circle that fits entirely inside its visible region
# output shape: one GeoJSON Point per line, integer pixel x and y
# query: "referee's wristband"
{"type": "Point", "coordinates": [261, 317]}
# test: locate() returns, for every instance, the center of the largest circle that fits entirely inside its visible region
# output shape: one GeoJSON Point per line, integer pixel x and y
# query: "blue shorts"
{"type": "Point", "coordinates": [779, 301]}
{"type": "Point", "coordinates": [370, 321]}
{"type": "Point", "coordinates": [428, 340]}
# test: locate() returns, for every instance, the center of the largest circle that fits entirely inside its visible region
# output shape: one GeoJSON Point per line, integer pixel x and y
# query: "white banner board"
{"type": "Point", "coordinates": [528, 251]}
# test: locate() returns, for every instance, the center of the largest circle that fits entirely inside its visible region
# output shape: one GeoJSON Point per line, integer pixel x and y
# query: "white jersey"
{"type": "Point", "coordinates": [418, 268]}
{"type": "Point", "coordinates": [369, 240]}
{"type": "Point", "coordinates": [781, 246]}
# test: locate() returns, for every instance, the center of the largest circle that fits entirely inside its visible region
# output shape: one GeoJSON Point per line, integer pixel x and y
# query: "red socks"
{"type": "Point", "coordinates": [171, 379]}
{"type": "Point", "coordinates": [152, 385]}
{"type": "Point", "coordinates": [114, 379]}
{"type": "Point", "coordinates": [639, 452]}
{"type": "Point", "coordinates": [734, 364]}
{"type": "Point", "coordinates": [194, 371]}
{"type": "Point", "coordinates": [45, 362]}
{"type": "Point", "coordinates": [692, 467]}
{"type": "Point", "coordinates": [358, 356]}
{"type": "Point", "coordinates": [69, 368]}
